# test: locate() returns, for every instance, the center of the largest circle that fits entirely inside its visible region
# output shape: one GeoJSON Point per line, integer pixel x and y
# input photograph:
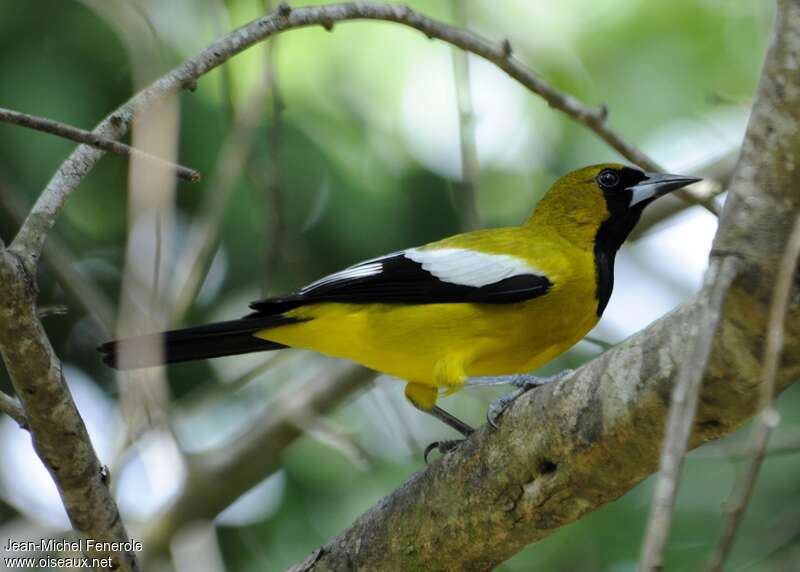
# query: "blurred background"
{"type": "Point", "coordinates": [319, 149]}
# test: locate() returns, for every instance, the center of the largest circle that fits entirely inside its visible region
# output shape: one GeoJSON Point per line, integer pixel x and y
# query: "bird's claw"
{"type": "Point", "coordinates": [523, 383]}
{"type": "Point", "coordinates": [526, 382]}
{"type": "Point", "coordinates": [443, 447]}
{"type": "Point", "coordinates": [499, 405]}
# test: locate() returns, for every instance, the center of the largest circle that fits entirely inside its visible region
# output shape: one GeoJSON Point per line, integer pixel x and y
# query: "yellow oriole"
{"type": "Point", "coordinates": [474, 308]}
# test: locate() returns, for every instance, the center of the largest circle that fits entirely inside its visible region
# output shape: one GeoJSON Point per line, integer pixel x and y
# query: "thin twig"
{"type": "Point", "coordinates": [155, 287]}
{"type": "Point", "coordinates": [51, 310]}
{"type": "Point", "coordinates": [600, 343]}
{"type": "Point", "coordinates": [270, 177]}
{"type": "Point", "coordinates": [11, 407]}
{"type": "Point", "coordinates": [682, 412]}
{"type": "Point", "coordinates": [66, 267]}
{"type": "Point", "coordinates": [768, 417]}
{"type": "Point", "coordinates": [773, 538]}
{"type": "Point", "coordinates": [466, 189]}
{"type": "Point", "coordinates": [29, 244]}
{"type": "Point", "coordinates": [220, 22]}
{"type": "Point", "coordinates": [144, 396]}
{"type": "Point", "coordinates": [204, 234]}
{"type": "Point", "coordinates": [32, 235]}
{"type": "Point", "coordinates": [90, 138]}
{"type": "Point", "coordinates": [667, 207]}
{"type": "Point", "coordinates": [219, 477]}
{"type": "Point", "coordinates": [748, 453]}
{"type": "Point", "coordinates": [332, 436]}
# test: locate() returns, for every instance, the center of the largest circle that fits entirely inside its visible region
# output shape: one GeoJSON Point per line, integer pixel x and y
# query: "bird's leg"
{"type": "Point", "coordinates": [450, 419]}
{"type": "Point", "coordinates": [449, 444]}
{"type": "Point", "coordinates": [520, 380]}
{"type": "Point", "coordinates": [423, 397]}
{"type": "Point", "coordinates": [523, 382]}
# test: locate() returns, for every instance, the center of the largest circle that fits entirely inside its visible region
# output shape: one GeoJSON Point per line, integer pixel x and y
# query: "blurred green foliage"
{"type": "Point", "coordinates": [353, 185]}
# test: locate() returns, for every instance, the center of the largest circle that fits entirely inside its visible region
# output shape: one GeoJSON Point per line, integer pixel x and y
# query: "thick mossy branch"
{"type": "Point", "coordinates": [565, 450]}
{"type": "Point", "coordinates": [561, 452]}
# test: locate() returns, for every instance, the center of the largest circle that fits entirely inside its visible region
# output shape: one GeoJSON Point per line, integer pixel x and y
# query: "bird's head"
{"type": "Point", "coordinates": [609, 197]}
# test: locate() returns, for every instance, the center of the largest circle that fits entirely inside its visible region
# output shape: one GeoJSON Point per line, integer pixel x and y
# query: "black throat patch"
{"type": "Point", "coordinates": [613, 232]}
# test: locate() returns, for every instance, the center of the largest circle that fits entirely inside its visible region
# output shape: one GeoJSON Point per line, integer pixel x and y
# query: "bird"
{"type": "Point", "coordinates": [479, 308]}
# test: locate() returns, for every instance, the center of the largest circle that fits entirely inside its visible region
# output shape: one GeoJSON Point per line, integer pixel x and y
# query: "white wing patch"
{"type": "Point", "coordinates": [469, 267]}
{"type": "Point", "coordinates": [362, 270]}
{"type": "Point", "coordinates": [460, 266]}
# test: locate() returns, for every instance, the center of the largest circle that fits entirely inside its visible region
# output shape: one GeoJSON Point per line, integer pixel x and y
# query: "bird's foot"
{"type": "Point", "coordinates": [499, 405]}
{"type": "Point", "coordinates": [522, 382]}
{"type": "Point", "coordinates": [443, 447]}
{"type": "Point", "coordinates": [526, 382]}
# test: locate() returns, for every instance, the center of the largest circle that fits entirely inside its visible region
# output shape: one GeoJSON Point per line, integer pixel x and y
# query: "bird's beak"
{"type": "Point", "coordinates": [657, 184]}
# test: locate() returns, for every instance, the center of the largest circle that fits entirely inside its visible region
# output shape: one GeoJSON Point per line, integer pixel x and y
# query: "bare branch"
{"type": "Point", "coordinates": [66, 268]}
{"type": "Point", "coordinates": [716, 175]}
{"type": "Point", "coordinates": [220, 22]}
{"type": "Point", "coordinates": [265, 171]}
{"type": "Point", "coordinates": [12, 408]}
{"type": "Point", "coordinates": [466, 189]}
{"type": "Point", "coordinates": [746, 453]}
{"type": "Point", "coordinates": [203, 238]}
{"type": "Point", "coordinates": [684, 400]}
{"type": "Point", "coordinates": [759, 175]}
{"type": "Point", "coordinates": [57, 430]}
{"type": "Point", "coordinates": [777, 316]}
{"type": "Point", "coordinates": [544, 481]}
{"type": "Point", "coordinates": [93, 139]}
{"type": "Point", "coordinates": [566, 449]}
{"type": "Point", "coordinates": [768, 417]}
{"type": "Point", "coordinates": [33, 233]}
{"type": "Point", "coordinates": [218, 478]}
{"type": "Point", "coordinates": [667, 207]}
{"type": "Point", "coordinates": [561, 452]}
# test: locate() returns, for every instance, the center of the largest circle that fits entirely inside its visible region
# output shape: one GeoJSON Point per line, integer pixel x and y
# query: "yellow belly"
{"type": "Point", "coordinates": [439, 345]}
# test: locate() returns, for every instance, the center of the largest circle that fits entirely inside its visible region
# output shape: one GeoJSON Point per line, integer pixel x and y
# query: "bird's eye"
{"type": "Point", "coordinates": [608, 179]}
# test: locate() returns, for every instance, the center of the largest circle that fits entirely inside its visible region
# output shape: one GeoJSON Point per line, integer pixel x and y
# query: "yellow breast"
{"type": "Point", "coordinates": [440, 344]}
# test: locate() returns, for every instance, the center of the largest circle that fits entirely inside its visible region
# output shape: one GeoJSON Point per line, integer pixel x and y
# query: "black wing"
{"type": "Point", "coordinates": [422, 277]}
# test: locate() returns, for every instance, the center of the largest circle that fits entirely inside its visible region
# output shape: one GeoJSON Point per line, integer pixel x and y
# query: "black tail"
{"type": "Point", "coordinates": [213, 340]}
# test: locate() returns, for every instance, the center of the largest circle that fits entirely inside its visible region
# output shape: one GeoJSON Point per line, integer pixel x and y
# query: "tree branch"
{"type": "Point", "coordinates": [768, 418]}
{"type": "Point", "coordinates": [466, 189]}
{"type": "Point", "coordinates": [566, 449]}
{"type": "Point", "coordinates": [265, 171]}
{"type": "Point", "coordinates": [57, 430]}
{"type": "Point", "coordinates": [92, 139]}
{"type": "Point", "coordinates": [682, 410]}
{"type": "Point", "coordinates": [203, 237]}
{"type": "Point", "coordinates": [12, 408]}
{"type": "Point", "coordinates": [560, 453]}
{"type": "Point", "coordinates": [60, 436]}
{"type": "Point", "coordinates": [66, 267]}
{"type": "Point", "coordinates": [28, 243]}
{"type": "Point", "coordinates": [218, 478]}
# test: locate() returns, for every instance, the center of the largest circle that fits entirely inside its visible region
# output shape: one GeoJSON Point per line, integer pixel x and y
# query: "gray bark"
{"type": "Point", "coordinates": [57, 430]}
{"type": "Point", "coordinates": [567, 449]}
